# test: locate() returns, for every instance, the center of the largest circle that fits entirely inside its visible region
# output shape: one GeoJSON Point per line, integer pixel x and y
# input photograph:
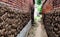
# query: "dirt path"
{"type": "Point", "coordinates": [37, 31]}
{"type": "Point", "coordinates": [40, 32]}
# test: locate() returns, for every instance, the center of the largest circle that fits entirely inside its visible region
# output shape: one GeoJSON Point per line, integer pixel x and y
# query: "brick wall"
{"type": "Point", "coordinates": [21, 4]}
{"type": "Point", "coordinates": [47, 6]}
{"type": "Point", "coordinates": [50, 5]}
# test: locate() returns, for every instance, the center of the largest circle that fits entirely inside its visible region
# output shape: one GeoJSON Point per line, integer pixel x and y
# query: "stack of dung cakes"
{"type": "Point", "coordinates": [51, 21]}
{"type": "Point", "coordinates": [12, 20]}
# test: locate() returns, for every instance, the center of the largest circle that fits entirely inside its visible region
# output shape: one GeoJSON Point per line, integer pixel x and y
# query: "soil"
{"type": "Point", "coordinates": [12, 21]}
{"type": "Point", "coordinates": [37, 30]}
{"type": "Point", "coordinates": [51, 21]}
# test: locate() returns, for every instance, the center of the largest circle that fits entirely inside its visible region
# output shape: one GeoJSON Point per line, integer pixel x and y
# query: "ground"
{"type": "Point", "coordinates": [37, 30]}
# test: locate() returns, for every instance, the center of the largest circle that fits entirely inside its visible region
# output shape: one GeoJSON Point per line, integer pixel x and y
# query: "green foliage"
{"type": "Point", "coordinates": [40, 9]}
{"type": "Point", "coordinates": [38, 2]}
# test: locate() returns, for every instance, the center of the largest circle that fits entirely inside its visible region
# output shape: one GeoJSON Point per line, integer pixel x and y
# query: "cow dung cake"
{"type": "Point", "coordinates": [51, 21]}
{"type": "Point", "coordinates": [12, 20]}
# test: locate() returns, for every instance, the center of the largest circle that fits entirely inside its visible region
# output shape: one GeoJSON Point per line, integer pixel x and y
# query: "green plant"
{"type": "Point", "coordinates": [38, 2]}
